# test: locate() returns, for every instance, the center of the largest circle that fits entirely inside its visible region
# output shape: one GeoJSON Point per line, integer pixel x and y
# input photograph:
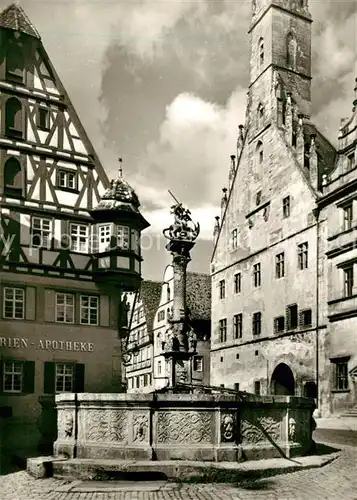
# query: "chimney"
{"type": "Point", "coordinates": [232, 171]}
{"type": "Point", "coordinates": [289, 119]}
{"type": "Point", "coordinates": [300, 143]}
{"type": "Point", "coordinates": [314, 175]}
{"type": "Point", "coordinates": [223, 201]}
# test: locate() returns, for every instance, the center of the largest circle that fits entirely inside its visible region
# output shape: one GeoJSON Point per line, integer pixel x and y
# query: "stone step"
{"type": "Point", "coordinates": [352, 412]}
{"type": "Point", "coordinates": [174, 470]}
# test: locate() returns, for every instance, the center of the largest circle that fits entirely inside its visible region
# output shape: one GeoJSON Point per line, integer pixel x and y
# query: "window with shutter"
{"type": "Point", "coordinates": [79, 377]}
{"type": "Point", "coordinates": [104, 310]}
{"type": "Point", "coordinates": [28, 386]}
{"type": "Point", "coordinates": [49, 378]}
{"type": "Point", "coordinates": [30, 303]}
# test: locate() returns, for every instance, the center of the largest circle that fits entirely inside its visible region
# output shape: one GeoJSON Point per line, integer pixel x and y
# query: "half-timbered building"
{"type": "Point", "coordinates": [61, 244]}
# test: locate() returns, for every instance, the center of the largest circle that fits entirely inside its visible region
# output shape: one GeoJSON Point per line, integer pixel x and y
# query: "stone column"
{"type": "Point", "coordinates": [180, 343]}
{"type": "Point", "coordinates": [179, 263]}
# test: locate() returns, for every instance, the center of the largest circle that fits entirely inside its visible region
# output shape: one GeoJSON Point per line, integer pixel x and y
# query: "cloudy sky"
{"type": "Point", "coordinates": [163, 85]}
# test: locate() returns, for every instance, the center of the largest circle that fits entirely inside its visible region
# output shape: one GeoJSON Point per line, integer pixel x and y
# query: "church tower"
{"type": "Point", "coordinates": [265, 256]}
{"type": "Point", "coordinates": [280, 64]}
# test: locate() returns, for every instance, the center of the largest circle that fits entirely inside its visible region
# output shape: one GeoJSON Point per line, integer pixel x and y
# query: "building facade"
{"type": "Point", "coordinates": [338, 206]}
{"type": "Point", "coordinates": [149, 328]}
{"type": "Point", "coordinates": [143, 307]}
{"type": "Point", "coordinates": [59, 317]}
{"type": "Point", "coordinates": [269, 282]}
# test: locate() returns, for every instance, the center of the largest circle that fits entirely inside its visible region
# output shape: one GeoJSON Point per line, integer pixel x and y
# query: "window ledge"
{"type": "Point", "coordinates": [342, 299]}
{"type": "Point", "coordinates": [68, 190]}
{"type": "Point", "coordinates": [340, 233]}
{"type": "Point", "coordinates": [340, 390]}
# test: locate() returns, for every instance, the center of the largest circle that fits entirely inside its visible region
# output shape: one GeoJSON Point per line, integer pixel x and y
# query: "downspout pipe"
{"type": "Point", "coordinates": [317, 347]}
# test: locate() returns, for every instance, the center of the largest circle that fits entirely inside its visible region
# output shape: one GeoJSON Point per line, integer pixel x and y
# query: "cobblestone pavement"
{"type": "Point", "coordinates": [338, 480]}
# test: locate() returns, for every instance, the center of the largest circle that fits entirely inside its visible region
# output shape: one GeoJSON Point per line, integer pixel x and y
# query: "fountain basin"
{"type": "Point", "coordinates": [194, 427]}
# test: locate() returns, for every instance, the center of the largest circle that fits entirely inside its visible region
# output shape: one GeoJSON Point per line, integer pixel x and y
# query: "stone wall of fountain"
{"type": "Point", "coordinates": [197, 427]}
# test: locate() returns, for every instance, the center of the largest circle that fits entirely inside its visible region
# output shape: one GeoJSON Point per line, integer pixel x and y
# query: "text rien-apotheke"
{"type": "Point", "coordinates": [47, 345]}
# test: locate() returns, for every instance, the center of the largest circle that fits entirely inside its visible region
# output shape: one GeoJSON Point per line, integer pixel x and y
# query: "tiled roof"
{"type": "Point", "coordinates": [14, 18]}
{"type": "Point", "coordinates": [198, 286]}
{"type": "Point", "coordinates": [150, 293]}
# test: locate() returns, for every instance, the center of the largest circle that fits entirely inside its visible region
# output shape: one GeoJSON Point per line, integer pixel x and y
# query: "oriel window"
{"type": "Point", "coordinates": [123, 237]}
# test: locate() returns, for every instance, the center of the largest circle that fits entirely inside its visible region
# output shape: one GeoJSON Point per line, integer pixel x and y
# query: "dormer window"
{"type": "Point", "coordinates": [14, 64]}
{"type": "Point", "coordinates": [261, 52]}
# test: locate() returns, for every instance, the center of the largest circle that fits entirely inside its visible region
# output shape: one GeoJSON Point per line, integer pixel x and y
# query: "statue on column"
{"type": "Point", "coordinates": [183, 228]}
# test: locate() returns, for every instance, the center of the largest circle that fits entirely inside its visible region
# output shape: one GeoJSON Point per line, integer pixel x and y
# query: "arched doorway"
{"type": "Point", "coordinates": [282, 381]}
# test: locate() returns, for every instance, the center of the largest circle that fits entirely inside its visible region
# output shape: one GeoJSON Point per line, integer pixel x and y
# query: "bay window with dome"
{"type": "Point", "coordinates": [116, 236]}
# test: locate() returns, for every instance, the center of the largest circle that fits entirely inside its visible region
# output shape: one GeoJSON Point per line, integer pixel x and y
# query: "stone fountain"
{"type": "Point", "coordinates": [180, 422]}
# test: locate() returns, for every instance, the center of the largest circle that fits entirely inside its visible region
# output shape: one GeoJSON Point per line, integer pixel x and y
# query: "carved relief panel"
{"type": "Point", "coordinates": [104, 425]}
{"type": "Point", "coordinates": [184, 427]}
{"type": "Point", "coordinates": [259, 428]}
